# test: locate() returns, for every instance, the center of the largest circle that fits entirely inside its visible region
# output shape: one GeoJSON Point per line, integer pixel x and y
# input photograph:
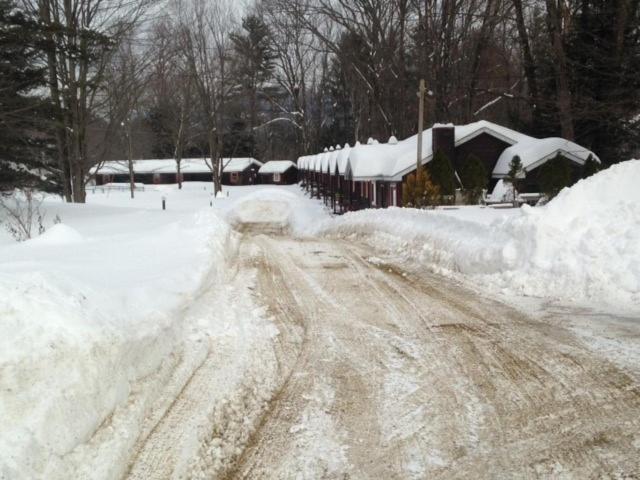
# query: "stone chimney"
{"type": "Point", "coordinates": [444, 140]}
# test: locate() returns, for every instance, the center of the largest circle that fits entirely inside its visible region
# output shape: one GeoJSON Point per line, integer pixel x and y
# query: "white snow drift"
{"type": "Point", "coordinates": [584, 245]}
{"type": "Point", "coordinates": [87, 311]}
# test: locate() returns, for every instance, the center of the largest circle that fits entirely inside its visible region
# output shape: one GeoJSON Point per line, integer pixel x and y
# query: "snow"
{"type": "Point", "coordinates": [86, 312]}
{"type": "Point", "coordinates": [342, 159]}
{"type": "Point", "coordinates": [239, 164]}
{"type": "Point", "coordinates": [122, 302]}
{"type": "Point", "coordinates": [281, 208]}
{"type": "Point", "coordinates": [276, 166]}
{"type": "Point", "coordinates": [168, 165]}
{"type": "Point", "coordinates": [59, 234]}
{"type": "Point", "coordinates": [102, 317]}
{"type": "Point", "coordinates": [502, 192]}
{"type": "Point", "coordinates": [535, 152]}
{"type": "Point", "coordinates": [584, 246]}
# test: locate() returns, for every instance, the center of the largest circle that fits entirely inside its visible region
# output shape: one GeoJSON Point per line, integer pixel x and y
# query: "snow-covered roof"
{"type": "Point", "coordinates": [391, 161]}
{"type": "Point", "coordinates": [319, 160]}
{"type": "Point", "coordinates": [276, 166]}
{"type": "Point", "coordinates": [463, 133]}
{"type": "Point", "coordinates": [535, 152]}
{"type": "Point", "coordinates": [342, 159]}
{"type": "Point", "coordinates": [234, 165]}
{"type": "Point", "coordinates": [168, 165]}
{"type": "Point", "coordinates": [164, 165]}
{"type": "Point", "coordinates": [333, 160]}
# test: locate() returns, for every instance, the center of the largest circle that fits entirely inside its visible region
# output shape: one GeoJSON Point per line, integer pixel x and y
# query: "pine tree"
{"type": "Point", "coordinates": [590, 167]}
{"type": "Point", "coordinates": [255, 59]}
{"type": "Point", "coordinates": [419, 191]}
{"type": "Point", "coordinates": [516, 172]}
{"type": "Point", "coordinates": [24, 153]}
{"type": "Point", "coordinates": [604, 55]}
{"type": "Point", "coordinates": [474, 178]}
{"type": "Point", "coordinates": [554, 175]}
{"type": "Point", "coordinates": [443, 174]}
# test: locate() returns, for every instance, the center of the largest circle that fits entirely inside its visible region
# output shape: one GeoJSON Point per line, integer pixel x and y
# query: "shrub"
{"type": "Point", "coordinates": [554, 175]}
{"type": "Point", "coordinates": [474, 178]}
{"type": "Point", "coordinates": [23, 215]}
{"type": "Point", "coordinates": [590, 167]}
{"type": "Point", "coordinates": [442, 174]}
{"type": "Point", "coordinates": [419, 191]}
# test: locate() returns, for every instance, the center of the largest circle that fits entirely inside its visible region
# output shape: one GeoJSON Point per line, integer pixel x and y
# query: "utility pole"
{"type": "Point", "coordinates": [421, 93]}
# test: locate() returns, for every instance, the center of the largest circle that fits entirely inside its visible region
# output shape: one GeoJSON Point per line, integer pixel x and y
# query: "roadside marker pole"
{"type": "Point", "coordinates": [421, 92]}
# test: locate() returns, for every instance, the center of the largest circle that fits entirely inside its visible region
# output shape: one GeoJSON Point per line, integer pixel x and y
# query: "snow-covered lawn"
{"type": "Point", "coordinates": [94, 314]}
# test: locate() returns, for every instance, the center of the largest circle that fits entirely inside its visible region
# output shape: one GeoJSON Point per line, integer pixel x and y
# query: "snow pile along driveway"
{"type": "Point", "coordinates": [88, 318]}
{"type": "Point", "coordinates": [584, 245]}
{"type": "Point", "coordinates": [275, 209]}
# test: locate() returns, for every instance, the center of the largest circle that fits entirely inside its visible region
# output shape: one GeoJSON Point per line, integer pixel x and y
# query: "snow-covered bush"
{"type": "Point", "coordinates": [23, 216]}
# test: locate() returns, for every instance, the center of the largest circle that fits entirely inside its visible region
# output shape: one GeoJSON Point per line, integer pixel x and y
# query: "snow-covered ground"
{"type": "Point", "coordinates": [583, 247]}
{"type": "Point", "coordinates": [96, 313]}
{"type": "Point", "coordinates": [110, 314]}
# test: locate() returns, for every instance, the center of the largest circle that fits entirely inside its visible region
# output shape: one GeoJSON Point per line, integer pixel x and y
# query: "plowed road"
{"type": "Point", "coordinates": [389, 375]}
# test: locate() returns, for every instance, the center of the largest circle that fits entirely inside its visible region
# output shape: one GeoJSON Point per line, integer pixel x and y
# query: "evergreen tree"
{"type": "Point", "coordinates": [254, 59]}
{"type": "Point", "coordinates": [604, 51]}
{"type": "Point", "coordinates": [590, 167]}
{"type": "Point", "coordinates": [240, 142]}
{"type": "Point", "coordinates": [418, 191]}
{"type": "Point", "coordinates": [515, 174]}
{"type": "Point", "coordinates": [24, 153]}
{"type": "Point", "coordinates": [554, 175]}
{"type": "Point", "coordinates": [474, 178]}
{"type": "Point", "coordinates": [443, 174]}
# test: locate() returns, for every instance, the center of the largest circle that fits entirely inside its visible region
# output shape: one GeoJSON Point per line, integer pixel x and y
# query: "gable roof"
{"type": "Point", "coordinates": [168, 165]}
{"type": "Point", "coordinates": [234, 165]}
{"type": "Point", "coordinates": [162, 165]}
{"type": "Point", "coordinates": [276, 166]}
{"type": "Point", "coordinates": [535, 152]}
{"type": "Point", "coordinates": [391, 161]}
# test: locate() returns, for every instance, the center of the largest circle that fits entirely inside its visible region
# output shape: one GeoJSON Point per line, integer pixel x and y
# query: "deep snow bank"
{"type": "Point", "coordinates": [87, 311]}
{"type": "Point", "coordinates": [276, 207]}
{"type": "Point", "coordinates": [584, 245]}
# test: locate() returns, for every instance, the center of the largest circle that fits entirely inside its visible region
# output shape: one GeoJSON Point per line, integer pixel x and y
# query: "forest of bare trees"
{"type": "Point", "coordinates": [125, 79]}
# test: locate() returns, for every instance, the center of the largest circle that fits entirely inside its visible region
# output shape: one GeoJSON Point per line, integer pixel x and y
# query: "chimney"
{"type": "Point", "coordinates": [444, 140]}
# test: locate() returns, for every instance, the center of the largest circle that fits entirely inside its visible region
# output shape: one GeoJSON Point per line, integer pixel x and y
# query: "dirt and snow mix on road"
{"type": "Point", "coordinates": [584, 246]}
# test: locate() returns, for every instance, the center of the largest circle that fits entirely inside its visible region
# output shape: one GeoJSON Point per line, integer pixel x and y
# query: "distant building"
{"type": "Point", "coordinates": [278, 172]}
{"type": "Point", "coordinates": [372, 175]}
{"type": "Point", "coordinates": [236, 171]}
{"type": "Point", "coordinates": [240, 171]}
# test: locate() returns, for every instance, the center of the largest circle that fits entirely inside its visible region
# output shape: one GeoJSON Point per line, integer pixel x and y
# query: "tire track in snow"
{"type": "Point", "coordinates": [430, 380]}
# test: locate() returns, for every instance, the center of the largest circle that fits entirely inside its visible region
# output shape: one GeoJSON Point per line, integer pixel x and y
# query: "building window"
{"type": "Point", "coordinates": [276, 177]}
{"type": "Point", "coordinates": [234, 177]}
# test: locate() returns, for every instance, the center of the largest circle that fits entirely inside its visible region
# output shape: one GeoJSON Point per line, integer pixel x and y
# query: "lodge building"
{"type": "Point", "coordinates": [236, 171]}
{"type": "Point", "coordinates": [278, 172]}
{"type": "Point", "coordinates": [372, 175]}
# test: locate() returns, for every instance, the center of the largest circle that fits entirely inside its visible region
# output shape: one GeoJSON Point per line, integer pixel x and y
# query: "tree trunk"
{"type": "Point", "coordinates": [554, 22]}
{"type": "Point", "coordinates": [215, 162]}
{"type": "Point", "coordinates": [132, 185]}
{"type": "Point", "coordinates": [528, 63]}
{"type": "Point", "coordinates": [481, 43]}
{"type": "Point", "coordinates": [178, 147]}
{"type": "Point", "coordinates": [52, 70]}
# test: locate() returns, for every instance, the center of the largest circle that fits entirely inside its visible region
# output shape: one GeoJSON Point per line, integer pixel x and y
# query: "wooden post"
{"type": "Point", "coordinates": [421, 92]}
